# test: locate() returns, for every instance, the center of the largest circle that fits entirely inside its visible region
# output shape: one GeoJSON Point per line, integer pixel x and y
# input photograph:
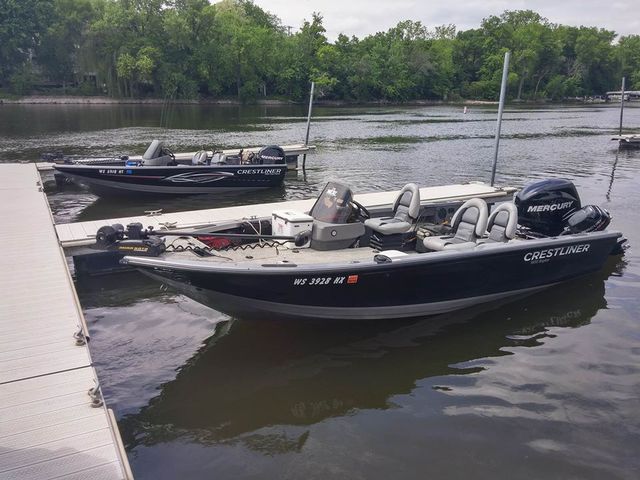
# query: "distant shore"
{"type": "Point", "coordinates": [100, 100]}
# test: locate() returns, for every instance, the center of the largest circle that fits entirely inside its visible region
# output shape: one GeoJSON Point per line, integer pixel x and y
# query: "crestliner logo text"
{"type": "Point", "coordinates": [259, 171]}
{"type": "Point", "coordinates": [550, 207]}
{"type": "Point", "coordinates": [541, 256]}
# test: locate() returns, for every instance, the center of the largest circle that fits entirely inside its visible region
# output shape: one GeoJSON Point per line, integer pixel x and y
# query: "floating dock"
{"type": "Point", "coordinates": [84, 233]}
{"type": "Point", "coordinates": [53, 421]}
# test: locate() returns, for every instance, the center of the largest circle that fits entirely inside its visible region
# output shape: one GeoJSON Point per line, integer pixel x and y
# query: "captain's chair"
{"type": "Point", "coordinates": [502, 224]}
{"type": "Point", "coordinates": [468, 225]}
{"type": "Point", "coordinates": [333, 225]}
{"type": "Point", "coordinates": [406, 209]}
{"type": "Point", "coordinates": [156, 155]}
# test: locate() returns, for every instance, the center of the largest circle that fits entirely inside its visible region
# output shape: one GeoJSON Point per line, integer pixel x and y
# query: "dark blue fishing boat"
{"type": "Point", "coordinates": [338, 263]}
{"type": "Point", "coordinates": [158, 172]}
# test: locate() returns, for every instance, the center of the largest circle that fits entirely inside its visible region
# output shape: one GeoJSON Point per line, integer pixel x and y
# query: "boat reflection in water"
{"type": "Point", "coordinates": [295, 374]}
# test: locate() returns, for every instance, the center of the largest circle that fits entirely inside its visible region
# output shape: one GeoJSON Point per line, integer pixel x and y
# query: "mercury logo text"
{"type": "Point", "coordinates": [550, 207]}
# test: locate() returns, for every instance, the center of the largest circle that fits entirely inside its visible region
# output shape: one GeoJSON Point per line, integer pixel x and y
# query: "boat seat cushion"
{"type": "Point", "coordinates": [387, 225]}
{"type": "Point", "coordinates": [406, 209]}
{"type": "Point", "coordinates": [502, 223]}
{"type": "Point", "coordinates": [447, 243]}
{"type": "Point", "coordinates": [468, 225]}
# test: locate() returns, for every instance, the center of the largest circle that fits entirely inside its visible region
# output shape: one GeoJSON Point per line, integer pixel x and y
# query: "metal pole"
{"type": "Point", "coordinates": [503, 92]}
{"type": "Point", "coordinates": [621, 104]}
{"type": "Point", "coordinates": [306, 137]}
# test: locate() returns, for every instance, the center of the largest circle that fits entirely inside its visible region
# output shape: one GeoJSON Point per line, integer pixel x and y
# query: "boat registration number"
{"type": "Point", "coordinates": [317, 281]}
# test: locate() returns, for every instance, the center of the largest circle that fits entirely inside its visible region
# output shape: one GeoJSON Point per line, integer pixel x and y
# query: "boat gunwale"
{"type": "Point", "coordinates": [75, 166]}
{"type": "Point", "coordinates": [417, 258]}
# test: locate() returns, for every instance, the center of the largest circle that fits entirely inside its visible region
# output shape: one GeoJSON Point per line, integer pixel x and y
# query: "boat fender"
{"type": "Point", "coordinates": [379, 258]}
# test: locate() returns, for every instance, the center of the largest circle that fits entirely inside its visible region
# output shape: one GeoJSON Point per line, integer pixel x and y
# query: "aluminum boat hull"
{"type": "Point", "coordinates": [174, 180]}
{"type": "Point", "coordinates": [415, 285]}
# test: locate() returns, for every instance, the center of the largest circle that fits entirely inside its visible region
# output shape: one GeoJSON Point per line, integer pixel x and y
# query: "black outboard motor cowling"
{"type": "Point", "coordinates": [273, 154]}
{"type": "Point", "coordinates": [590, 218]}
{"type": "Point", "coordinates": [544, 206]}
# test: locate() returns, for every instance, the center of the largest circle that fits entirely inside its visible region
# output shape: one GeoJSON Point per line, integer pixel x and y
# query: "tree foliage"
{"type": "Point", "coordinates": [235, 49]}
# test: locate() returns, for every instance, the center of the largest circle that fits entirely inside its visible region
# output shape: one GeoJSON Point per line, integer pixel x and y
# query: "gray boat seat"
{"type": "Point", "coordinates": [154, 155]}
{"type": "Point", "coordinates": [406, 209]}
{"type": "Point", "coordinates": [502, 223]}
{"type": "Point", "coordinates": [200, 158]}
{"type": "Point", "coordinates": [467, 226]}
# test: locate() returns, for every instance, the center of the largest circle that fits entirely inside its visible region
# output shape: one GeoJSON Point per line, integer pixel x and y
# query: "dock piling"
{"type": "Point", "coordinates": [503, 91]}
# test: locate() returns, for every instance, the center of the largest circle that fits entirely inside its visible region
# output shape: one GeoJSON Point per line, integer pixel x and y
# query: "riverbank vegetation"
{"type": "Point", "coordinates": [188, 49]}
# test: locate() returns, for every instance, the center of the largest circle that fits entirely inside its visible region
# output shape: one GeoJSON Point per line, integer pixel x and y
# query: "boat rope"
{"type": "Point", "coordinates": [80, 338]}
{"type": "Point", "coordinates": [96, 396]}
{"type": "Point", "coordinates": [206, 251]}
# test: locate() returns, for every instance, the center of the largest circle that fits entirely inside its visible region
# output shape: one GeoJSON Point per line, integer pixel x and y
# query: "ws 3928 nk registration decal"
{"type": "Point", "coordinates": [317, 281]}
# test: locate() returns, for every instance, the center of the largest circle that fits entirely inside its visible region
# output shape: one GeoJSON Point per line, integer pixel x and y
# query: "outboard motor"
{"type": "Point", "coordinates": [544, 206]}
{"type": "Point", "coordinates": [273, 154]}
{"type": "Point", "coordinates": [590, 218]}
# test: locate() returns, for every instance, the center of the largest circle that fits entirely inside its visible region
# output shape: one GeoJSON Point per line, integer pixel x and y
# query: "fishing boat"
{"type": "Point", "coordinates": [339, 262]}
{"type": "Point", "coordinates": [627, 141]}
{"type": "Point", "coordinates": [158, 171]}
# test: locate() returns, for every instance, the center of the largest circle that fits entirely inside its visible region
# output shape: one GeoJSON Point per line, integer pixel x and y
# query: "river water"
{"type": "Point", "coordinates": [543, 387]}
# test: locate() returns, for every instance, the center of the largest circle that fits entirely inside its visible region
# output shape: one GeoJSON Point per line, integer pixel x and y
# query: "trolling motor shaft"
{"type": "Point", "coordinates": [149, 242]}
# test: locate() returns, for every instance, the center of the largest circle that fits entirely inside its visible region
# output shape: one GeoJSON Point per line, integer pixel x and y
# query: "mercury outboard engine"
{"type": "Point", "coordinates": [545, 205]}
{"type": "Point", "coordinates": [590, 218]}
{"type": "Point", "coordinates": [273, 154]}
{"type": "Point", "coordinates": [552, 207]}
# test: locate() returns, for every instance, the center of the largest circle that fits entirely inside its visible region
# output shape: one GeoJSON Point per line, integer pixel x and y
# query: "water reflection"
{"type": "Point", "coordinates": [260, 374]}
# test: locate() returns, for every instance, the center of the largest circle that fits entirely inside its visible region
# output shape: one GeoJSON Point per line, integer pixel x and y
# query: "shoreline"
{"type": "Point", "coordinates": [99, 100]}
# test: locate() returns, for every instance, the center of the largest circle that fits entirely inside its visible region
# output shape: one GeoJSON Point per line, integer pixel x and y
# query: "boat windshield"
{"type": "Point", "coordinates": [333, 204]}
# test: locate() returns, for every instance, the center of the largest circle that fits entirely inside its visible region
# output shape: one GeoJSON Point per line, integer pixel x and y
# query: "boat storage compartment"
{"type": "Point", "coordinates": [290, 224]}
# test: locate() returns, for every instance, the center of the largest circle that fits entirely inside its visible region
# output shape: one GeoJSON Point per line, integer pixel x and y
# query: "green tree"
{"type": "Point", "coordinates": [21, 24]}
{"type": "Point", "coordinates": [629, 58]}
{"type": "Point", "coordinates": [63, 39]}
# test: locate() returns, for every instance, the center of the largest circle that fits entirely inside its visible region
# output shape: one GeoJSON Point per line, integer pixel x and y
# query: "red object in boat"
{"type": "Point", "coordinates": [215, 242]}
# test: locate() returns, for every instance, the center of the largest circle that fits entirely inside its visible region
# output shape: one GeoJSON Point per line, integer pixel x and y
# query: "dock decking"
{"type": "Point", "coordinates": [50, 426]}
{"type": "Point", "coordinates": [83, 233]}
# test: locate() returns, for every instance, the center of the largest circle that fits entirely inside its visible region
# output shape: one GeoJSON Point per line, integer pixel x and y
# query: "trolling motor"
{"type": "Point", "coordinates": [136, 240]}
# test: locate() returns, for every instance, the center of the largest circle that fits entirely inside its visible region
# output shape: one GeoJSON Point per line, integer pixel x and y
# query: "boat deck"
{"type": "Point", "coordinates": [49, 425]}
{"type": "Point", "coordinates": [83, 233]}
{"type": "Point", "coordinates": [280, 255]}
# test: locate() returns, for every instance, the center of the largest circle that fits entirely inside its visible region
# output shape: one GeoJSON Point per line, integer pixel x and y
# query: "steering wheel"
{"type": "Point", "coordinates": [361, 212]}
{"type": "Point", "coordinates": [166, 151]}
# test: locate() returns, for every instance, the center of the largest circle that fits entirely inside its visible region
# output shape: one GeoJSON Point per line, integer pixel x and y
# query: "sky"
{"type": "Point", "coordinates": [365, 17]}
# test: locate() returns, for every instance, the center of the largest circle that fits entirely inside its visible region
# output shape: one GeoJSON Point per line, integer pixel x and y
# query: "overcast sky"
{"type": "Point", "coordinates": [364, 17]}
